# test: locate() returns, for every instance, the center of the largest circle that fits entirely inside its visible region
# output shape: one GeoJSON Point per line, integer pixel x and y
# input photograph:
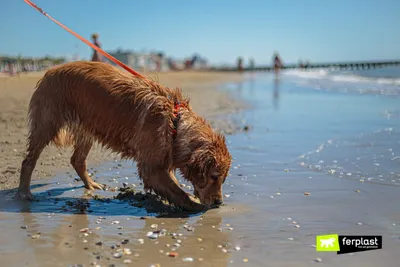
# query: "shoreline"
{"type": "Point", "coordinates": [203, 89]}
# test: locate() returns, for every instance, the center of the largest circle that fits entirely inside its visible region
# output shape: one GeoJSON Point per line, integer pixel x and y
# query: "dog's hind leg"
{"type": "Point", "coordinates": [164, 184]}
{"type": "Point", "coordinates": [38, 139]}
{"type": "Point", "coordinates": [78, 161]}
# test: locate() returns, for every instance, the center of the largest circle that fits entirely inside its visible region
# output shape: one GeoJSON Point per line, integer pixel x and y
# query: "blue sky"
{"type": "Point", "coordinates": [220, 30]}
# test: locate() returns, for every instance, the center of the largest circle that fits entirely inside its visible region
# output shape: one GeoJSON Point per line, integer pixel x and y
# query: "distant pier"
{"type": "Point", "coordinates": [343, 66]}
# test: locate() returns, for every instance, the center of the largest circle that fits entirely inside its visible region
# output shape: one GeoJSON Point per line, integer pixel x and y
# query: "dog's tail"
{"type": "Point", "coordinates": [64, 138]}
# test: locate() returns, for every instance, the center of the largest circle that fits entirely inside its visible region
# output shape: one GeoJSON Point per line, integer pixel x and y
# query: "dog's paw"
{"type": "Point", "coordinates": [24, 196]}
{"type": "Point", "coordinates": [94, 185]}
{"type": "Point", "coordinates": [193, 205]}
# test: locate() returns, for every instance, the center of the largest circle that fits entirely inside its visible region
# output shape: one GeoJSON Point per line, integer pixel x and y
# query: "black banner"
{"type": "Point", "coordinates": [358, 243]}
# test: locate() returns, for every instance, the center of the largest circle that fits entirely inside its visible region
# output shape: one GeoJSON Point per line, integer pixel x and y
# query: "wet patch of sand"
{"type": "Point", "coordinates": [266, 217]}
{"type": "Point", "coordinates": [67, 225]}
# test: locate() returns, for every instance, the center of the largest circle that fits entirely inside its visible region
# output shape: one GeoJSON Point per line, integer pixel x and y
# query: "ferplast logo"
{"type": "Point", "coordinates": [347, 244]}
{"type": "Point", "coordinates": [328, 243]}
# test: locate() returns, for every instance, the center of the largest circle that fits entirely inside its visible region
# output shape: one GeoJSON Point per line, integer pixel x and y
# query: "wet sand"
{"type": "Point", "coordinates": [15, 93]}
{"type": "Point", "coordinates": [339, 148]}
{"type": "Point", "coordinates": [266, 220]}
{"type": "Point", "coordinates": [63, 212]}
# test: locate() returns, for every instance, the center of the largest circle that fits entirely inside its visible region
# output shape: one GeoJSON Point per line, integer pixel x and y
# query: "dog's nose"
{"type": "Point", "coordinates": [218, 202]}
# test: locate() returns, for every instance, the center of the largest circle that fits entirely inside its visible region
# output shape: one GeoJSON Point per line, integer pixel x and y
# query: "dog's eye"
{"type": "Point", "coordinates": [214, 177]}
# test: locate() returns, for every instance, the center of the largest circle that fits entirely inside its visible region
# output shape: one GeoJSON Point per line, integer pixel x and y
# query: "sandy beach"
{"type": "Point", "coordinates": [315, 161]}
{"type": "Point", "coordinates": [15, 93]}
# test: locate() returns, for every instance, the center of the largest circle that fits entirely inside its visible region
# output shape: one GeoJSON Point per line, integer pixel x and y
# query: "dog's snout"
{"type": "Point", "coordinates": [218, 202]}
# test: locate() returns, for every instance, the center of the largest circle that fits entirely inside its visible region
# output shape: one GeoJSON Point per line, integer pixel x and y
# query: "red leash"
{"type": "Point", "coordinates": [177, 105]}
{"type": "Point", "coordinates": [98, 49]}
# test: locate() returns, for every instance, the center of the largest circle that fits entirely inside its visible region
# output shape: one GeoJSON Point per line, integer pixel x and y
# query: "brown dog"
{"type": "Point", "coordinates": [79, 103]}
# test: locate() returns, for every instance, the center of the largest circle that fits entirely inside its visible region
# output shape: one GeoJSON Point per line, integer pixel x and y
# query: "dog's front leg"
{"type": "Point", "coordinates": [164, 184]}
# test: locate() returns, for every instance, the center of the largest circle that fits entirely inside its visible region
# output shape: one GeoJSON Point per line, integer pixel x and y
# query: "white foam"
{"type": "Point", "coordinates": [345, 80]}
{"type": "Point", "coordinates": [326, 74]}
{"type": "Point", "coordinates": [313, 74]}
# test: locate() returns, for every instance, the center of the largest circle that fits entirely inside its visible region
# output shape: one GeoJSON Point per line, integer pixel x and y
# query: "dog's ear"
{"type": "Point", "coordinates": [203, 159]}
{"type": "Point", "coordinates": [203, 162]}
{"type": "Point", "coordinates": [209, 165]}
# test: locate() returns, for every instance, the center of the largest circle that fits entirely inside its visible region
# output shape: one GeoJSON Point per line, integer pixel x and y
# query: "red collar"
{"type": "Point", "coordinates": [177, 117]}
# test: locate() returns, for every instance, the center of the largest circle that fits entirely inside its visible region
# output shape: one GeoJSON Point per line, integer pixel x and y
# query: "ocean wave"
{"type": "Point", "coordinates": [324, 74]}
{"type": "Point", "coordinates": [374, 81]}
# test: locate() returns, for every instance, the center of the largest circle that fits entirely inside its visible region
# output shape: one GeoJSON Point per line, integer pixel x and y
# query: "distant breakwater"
{"type": "Point", "coordinates": [344, 65]}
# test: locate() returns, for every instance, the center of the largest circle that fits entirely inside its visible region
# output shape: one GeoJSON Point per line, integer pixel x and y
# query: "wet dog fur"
{"type": "Point", "coordinates": [79, 103]}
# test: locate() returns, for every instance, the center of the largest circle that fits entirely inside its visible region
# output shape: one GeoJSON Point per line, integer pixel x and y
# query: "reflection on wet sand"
{"type": "Point", "coordinates": [252, 84]}
{"type": "Point", "coordinates": [239, 87]}
{"type": "Point", "coordinates": [45, 234]}
{"type": "Point", "coordinates": [205, 243]}
{"type": "Point", "coordinates": [52, 233]}
{"type": "Point", "coordinates": [276, 92]}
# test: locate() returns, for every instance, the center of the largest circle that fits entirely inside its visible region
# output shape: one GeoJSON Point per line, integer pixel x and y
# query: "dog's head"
{"type": "Point", "coordinates": [208, 168]}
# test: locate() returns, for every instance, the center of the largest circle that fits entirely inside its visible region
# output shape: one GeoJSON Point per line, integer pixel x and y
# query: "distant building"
{"type": "Point", "coordinates": [127, 57]}
{"type": "Point", "coordinates": [156, 61]}
{"type": "Point", "coordinates": [139, 61]}
{"type": "Point", "coordinates": [28, 64]}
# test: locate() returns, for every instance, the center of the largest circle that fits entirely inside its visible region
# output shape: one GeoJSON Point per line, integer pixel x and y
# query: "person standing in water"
{"type": "Point", "coordinates": [96, 56]}
{"type": "Point", "coordinates": [277, 63]}
{"type": "Point", "coordinates": [240, 64]}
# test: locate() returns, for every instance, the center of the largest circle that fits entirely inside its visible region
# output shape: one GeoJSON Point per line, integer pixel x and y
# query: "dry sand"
{"type": "Point", "coordinates": [15, 93]}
